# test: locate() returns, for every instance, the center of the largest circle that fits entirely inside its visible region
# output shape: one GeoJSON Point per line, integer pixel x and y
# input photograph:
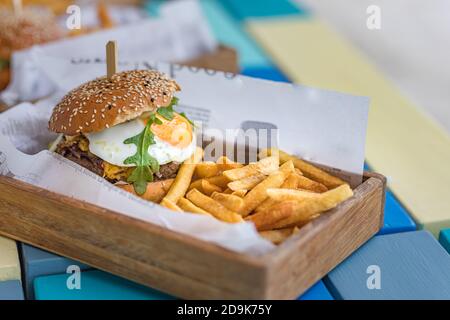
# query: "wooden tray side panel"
{"type": "Point", "coordinates": [326, 241]}
{"type": "Point", "coordinates": [153, 256]}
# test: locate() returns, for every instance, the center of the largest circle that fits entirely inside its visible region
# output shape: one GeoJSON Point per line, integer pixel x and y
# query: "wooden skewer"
{"type": "Point", "coordinates": [18, 7]}
{"type": "Point", "coordinates": [111, 59]}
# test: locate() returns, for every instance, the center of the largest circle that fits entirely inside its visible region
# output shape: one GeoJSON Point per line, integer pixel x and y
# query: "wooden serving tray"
{"type": "Point", "coordinates": [182, 265]}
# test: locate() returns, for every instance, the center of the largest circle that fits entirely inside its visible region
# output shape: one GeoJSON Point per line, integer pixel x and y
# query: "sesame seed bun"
{"type": "Point", "coordinates": [21, 31]}
{"type": "Point", "coordinates": [103, 103]}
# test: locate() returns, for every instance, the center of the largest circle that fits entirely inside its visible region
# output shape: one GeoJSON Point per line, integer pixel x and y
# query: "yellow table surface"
{"type": "Point", "coordinates": [403, 143]}
{"type": "Point", "coordinates": [9, 260]}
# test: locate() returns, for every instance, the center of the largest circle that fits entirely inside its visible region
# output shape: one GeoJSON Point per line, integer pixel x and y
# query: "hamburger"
{"type": "Point", "coordinates": [125, 129]}
{"type": "Point", "coordinates": [20, 31]}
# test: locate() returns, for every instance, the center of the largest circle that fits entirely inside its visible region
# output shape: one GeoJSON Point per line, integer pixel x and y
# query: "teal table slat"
{"type": "Point", "coordinates": [95, 285]}
{"type": "Point", "coordinates": [412, 265]}
{"type": "Point", "coordinates": [11, 290]}
{"type": "Point", "coordinates": [229, 32]}
{"type": "Point", "coordinates": [317, 292]}
{"type": "Point", "coordinates": [268, 73]}
{"type": "Point", "coordinates": [244, 9]}
{"type": "Point", "coordinates": [226, 30]}
{"type": "Point", "coordinates": [444, 239]}
{"type": "Point", "coordinates": [396, 218]}
{"type": "Point", "coordinates": [37, 262]}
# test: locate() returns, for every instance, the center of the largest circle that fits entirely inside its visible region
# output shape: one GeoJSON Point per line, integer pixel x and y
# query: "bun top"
{"type": "Point", "coordinates": [103, 103]}
{"type": "Point", "coordinates": [20, 31]}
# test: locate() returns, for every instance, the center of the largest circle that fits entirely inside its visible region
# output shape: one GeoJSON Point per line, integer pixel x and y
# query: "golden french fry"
{"type": "Point", "coordinates": [247, 182]}
{"type": "Point", "coordinates": [220, 181]}
{"type": "Point", "coordinates": [208, 188]}
{"type": "Point", "coordinates": [240, 193]}
{"type": "Point", "coordinates": [188, 206]}
{"type": "Point", "coordinates": [228, 191]}
{"type": "Point", "coordinates": [258, 194]}
{"type": "Point", "coordinates": [206, 170]}
{"type": "Point", "coordinates": [224, 160]}
{"type": "Point", "coordinates": [291, 182]}
{"type": "Point", "coordinates": [302, 211]}
{"type": "Point", "coordinates": [265, 166]}
{"type": "Point", "coordinates": [264, 220]}
{"type": "Point", "coordinates": [232, 202]}
{"type": "Point", "coordinates": [170, 205]}
{"type": "Point", "coordinates": [212, 206]}
{"type": "Point", "coordinates": [298, 171]}
{"type": "Point", "coordinates": [308, 184]}
{"type": "Point", "coordinates": [277, 236]}
{"type": "Point", "coordinates": [240, 173]}
{"type": "Point", "coordinates": [229, 166]}
{"type": "Point", "coordinates": [309, 170]}
{"type": "Point", "coordinates": [287, 168]}
{"type": "Point", "coordinates": [290, 194]}
{"type": "Point", "coordinates": [226, 164]}
{"type": "Point", "coordinates": [184, 176]}
{"type": "Point", "coordinates": [197, 184]}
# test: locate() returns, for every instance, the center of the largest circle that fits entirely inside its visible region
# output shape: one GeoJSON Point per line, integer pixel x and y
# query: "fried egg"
{"type": "Point", "coordinates": [174, 141]}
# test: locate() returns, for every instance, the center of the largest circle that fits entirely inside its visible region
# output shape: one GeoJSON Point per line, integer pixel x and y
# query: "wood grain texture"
{"type": "Point", "coordinates": [9, 260]}
{"type": "Point", "coordinates": [325, 242]}
{"type": "Point", "coordinates": [111, 59]}
{"type": "Point", "coordinates": [412, 265]}
{"type": "Point", "coordinates": [180, 265]}
{"type": "Point", "coordinates": [133, 249]}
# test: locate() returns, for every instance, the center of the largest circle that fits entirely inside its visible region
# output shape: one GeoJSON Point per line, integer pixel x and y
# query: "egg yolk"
{"type": "Point", "coordinates": [177, 132]}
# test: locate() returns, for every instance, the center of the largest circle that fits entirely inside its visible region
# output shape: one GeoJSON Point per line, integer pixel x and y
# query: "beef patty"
{"type": "Point", "coordinates": [70, 149]}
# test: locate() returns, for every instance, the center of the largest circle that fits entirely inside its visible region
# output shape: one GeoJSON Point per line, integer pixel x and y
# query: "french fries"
{"type": "Point", "coordinates": [302, 211]}
{"type": "Point", "coordinates": [240, 193]}
{"type": "Point", "coordinates": [208, 188]}
{"type": "Point", "coordinates": [278, 194]}
{"type": "Point", "coordinates": [291, 182]}
{"type": "Point", "coordinates": [264, 220]}
{"type": "Point", "coordinates": [170, 205]}
{"type": "Point", "coordinates": [308, 170]}
{"type": "Point", "coordinates": [247, 182]}
{"type": "Point", "coordinates": [212, 206]}
{"type": "Point", "coordinates": [232, 202]}
{"type": "Point", "coordinates": [308, 184]}
{"type": "Point", "coordinates": [210, 169]}
{"type": "Point", "coordinates": [290, 194]}
{"type": "Point", "coordinates": [206, 170]}
{"type": "Point", "coordinates": [188, 206]}
{"type": "Point", "coordinates": [258, 194]}
{"type": "Point", "coordinates": [264, 166]}
{"type": "Point", "coordinates": [184, 176]}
